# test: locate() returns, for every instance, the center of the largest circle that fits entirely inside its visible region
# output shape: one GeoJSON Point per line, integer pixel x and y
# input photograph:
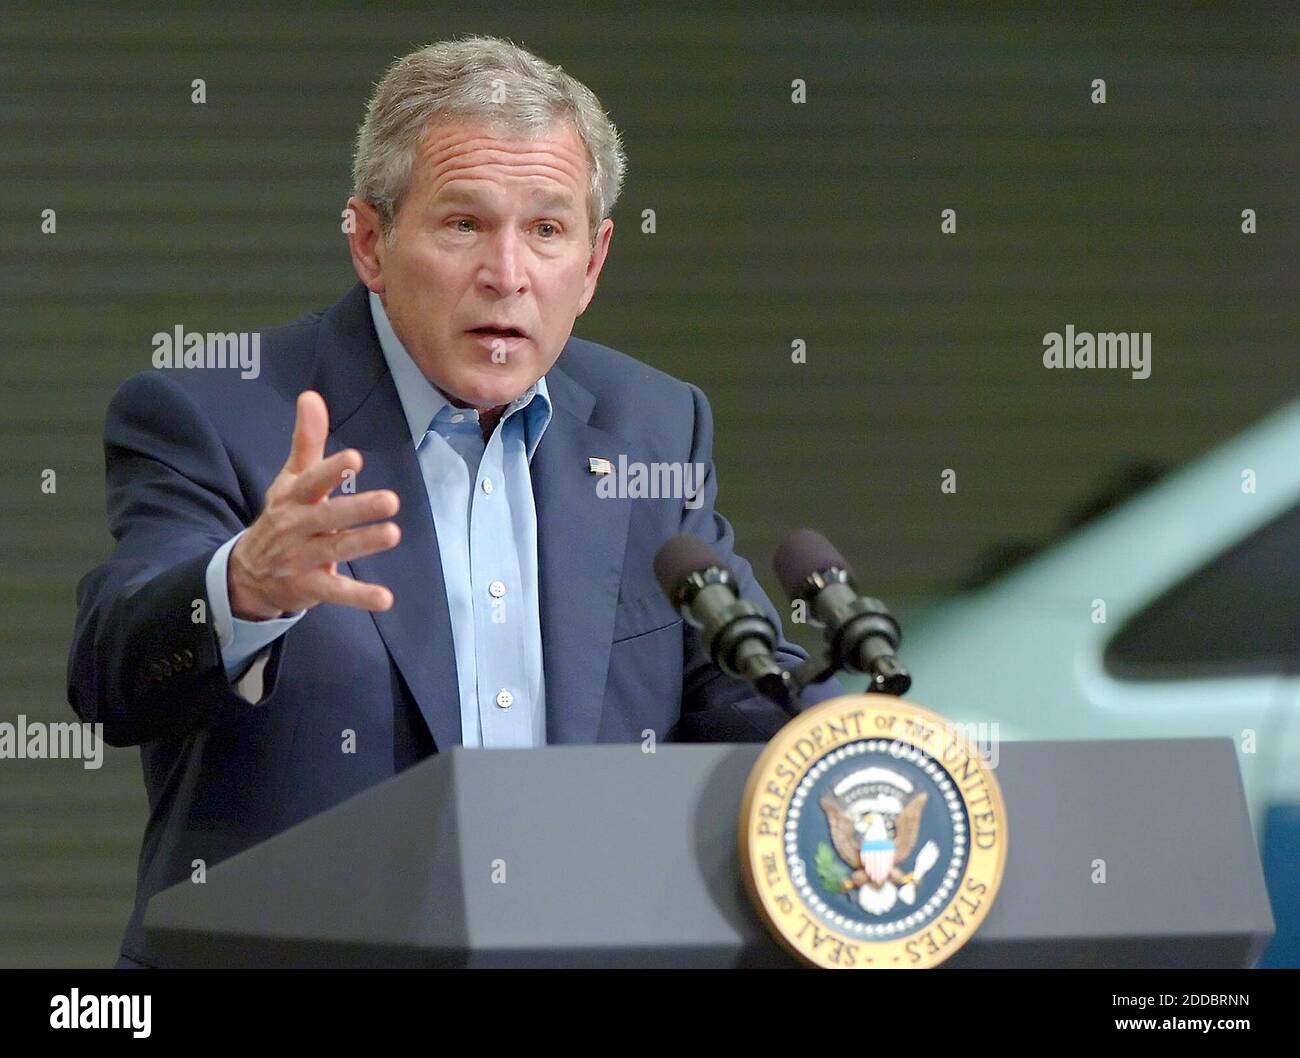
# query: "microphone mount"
{"type": "Point", "coordinates": [866, 636]}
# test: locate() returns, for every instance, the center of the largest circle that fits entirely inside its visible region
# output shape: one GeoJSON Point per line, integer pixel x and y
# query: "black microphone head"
{"type": "Point", "coordinates": [679, 558]}
{"type": "Point", "coordinates": [803, 553]}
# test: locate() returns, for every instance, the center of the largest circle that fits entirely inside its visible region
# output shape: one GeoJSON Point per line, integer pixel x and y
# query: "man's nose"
{"type": "Point", "coordinates": [502, 271]}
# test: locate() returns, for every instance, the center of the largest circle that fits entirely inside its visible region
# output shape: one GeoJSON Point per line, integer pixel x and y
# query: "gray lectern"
{"type": "Point", "coordinates": [611, 856]}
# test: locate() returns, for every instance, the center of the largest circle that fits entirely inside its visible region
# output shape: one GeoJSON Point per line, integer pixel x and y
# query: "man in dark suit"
{"type": "Point", "coordinates": [441, 560]}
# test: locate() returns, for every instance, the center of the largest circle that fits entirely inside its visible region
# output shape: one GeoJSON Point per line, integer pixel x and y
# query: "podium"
{"type": "Point", "coordinates": [611, 856]}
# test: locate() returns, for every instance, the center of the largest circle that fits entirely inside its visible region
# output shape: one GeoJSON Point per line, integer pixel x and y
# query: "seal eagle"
{"type": "Point", "coordinates": [865, 845]}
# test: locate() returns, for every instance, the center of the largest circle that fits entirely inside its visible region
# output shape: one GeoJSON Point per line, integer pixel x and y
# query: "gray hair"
{"type": "Point", "coordinates": [482, 79]}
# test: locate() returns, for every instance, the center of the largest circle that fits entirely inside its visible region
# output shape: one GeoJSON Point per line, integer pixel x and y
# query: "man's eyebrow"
{"type": "Point", "coordinates": [553, 200]}
{"type": "Point", "coordinates": [458, 198]}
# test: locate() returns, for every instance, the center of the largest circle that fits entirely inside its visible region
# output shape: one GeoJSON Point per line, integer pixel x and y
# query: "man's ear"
{"type": "Point", "coordinates": [598, 253]}
{"type": "Point", "coordinates": [366, 241]}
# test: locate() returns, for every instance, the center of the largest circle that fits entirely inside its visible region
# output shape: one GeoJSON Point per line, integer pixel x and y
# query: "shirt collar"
{"type": "Point", "coordinates": [422, 400]}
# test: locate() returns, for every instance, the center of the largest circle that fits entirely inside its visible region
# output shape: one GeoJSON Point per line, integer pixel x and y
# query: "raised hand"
{"type": "Point", "coordinates": [288, 558]}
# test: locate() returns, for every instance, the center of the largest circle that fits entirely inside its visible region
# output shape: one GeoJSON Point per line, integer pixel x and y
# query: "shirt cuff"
{"type": "Point", "coordinates": [239, 640]}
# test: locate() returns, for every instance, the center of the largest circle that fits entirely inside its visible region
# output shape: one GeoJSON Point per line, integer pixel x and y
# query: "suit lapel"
{"type": "Point", "coordinates": [581, 539]}
{"type": "Point", "coordinates": [366, 414]}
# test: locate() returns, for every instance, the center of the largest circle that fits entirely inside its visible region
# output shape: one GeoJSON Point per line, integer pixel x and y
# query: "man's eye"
{"type": "Point", "coordinates": [462, 220]}
{"type": "Point", "coordinates": [548, 224]}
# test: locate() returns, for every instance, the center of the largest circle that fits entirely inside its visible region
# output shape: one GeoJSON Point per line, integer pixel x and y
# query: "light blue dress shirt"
{"type": "Point", "coordinates": [481, 500]}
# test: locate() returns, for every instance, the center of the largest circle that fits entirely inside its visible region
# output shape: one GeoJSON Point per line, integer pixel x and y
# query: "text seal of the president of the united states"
{"type": "Point", "coordinates": [873, 834]}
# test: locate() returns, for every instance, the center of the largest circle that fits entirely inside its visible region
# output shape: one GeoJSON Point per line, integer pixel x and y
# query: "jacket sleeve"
{"type": "Point", "coordinates": [717, 707]}
{"type": "Point", "coordinates": [145, 660]}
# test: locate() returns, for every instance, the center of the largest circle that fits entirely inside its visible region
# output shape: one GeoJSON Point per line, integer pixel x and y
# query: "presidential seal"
{"type": "Point", "coordinates": [872, 835]}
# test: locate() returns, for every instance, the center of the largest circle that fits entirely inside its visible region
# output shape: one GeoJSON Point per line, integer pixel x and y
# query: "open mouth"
{"type": "Point", "coordinates": [498, 332]}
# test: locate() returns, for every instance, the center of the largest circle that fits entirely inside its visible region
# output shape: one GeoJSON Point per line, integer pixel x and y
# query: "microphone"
{"type": "Point", "coordinates": [738, 635]}
{"type": "Point", "coordinates": [861, 634]}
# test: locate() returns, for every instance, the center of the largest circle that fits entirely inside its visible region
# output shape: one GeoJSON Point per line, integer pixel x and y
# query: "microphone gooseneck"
{"type": "Point", "coordinates": [738, 635]}
{"type": "Point", "coordinates": [861, 635]}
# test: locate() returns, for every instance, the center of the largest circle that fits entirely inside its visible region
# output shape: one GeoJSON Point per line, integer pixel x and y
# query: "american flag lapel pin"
{"type": "Point", "coordinates": [599, 466]}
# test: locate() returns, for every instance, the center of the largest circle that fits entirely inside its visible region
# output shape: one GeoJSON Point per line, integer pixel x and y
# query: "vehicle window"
{"type": "Point", "coordinates": [1237, 615]}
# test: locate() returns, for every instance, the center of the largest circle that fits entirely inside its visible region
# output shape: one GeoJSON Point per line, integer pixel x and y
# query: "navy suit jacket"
{"type": "Point", "coordinates": [189, 456]}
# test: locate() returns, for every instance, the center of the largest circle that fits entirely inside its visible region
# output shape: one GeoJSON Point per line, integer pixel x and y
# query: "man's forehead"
{"type": "Point", "coordinates": [461, 161]}
{"type": "Point", "coordinates": [451, 140]}
{"type": "Point", "coordinates": [477, 192]}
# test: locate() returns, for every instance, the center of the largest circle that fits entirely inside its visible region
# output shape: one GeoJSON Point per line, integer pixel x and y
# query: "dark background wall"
{"type": "Point", "coordinates": [775, 221]}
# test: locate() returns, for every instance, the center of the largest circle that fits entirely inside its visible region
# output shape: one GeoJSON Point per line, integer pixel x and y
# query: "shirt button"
{"type": "Point", "coordinates": [487, 486]}
{"type": "Point", "coordinates": [496, 589]}
{"type": "Point", "coordinates": [505, 699]}
{"type": "Point", "coordinates": [458, 418]}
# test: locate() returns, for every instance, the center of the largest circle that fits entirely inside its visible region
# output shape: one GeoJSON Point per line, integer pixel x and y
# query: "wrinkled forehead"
{"type": "Point", "coordinates": [467, 160]}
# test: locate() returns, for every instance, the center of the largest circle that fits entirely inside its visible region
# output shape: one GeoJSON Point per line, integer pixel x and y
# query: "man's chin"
{"type": "Point", "coordinates": [482, 393]}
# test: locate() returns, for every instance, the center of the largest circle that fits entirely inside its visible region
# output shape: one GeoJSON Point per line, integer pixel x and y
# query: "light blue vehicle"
{"type": "Point", "coordinates": [1174, 614]}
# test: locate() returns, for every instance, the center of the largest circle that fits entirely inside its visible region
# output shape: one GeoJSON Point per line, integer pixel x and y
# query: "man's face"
{"type": "Point", "coordinates": [490, 233]}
